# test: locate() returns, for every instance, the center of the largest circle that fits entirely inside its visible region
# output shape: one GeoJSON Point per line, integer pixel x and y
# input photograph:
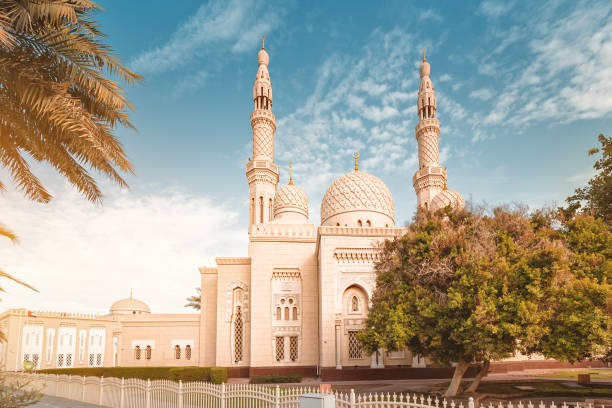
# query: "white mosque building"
{"type": "Point", "coordinates": [293, 304]}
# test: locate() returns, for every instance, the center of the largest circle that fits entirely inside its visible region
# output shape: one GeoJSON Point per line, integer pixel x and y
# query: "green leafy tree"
{"type": "Point", "coordinates": [465, 287]}
{"type": "Point", "coordinates": [596, 198]}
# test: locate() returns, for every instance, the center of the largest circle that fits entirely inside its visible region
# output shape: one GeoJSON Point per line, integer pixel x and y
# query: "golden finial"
{"type": "Point", "coordinates": [131, 290]}
{"type": "Point", "coordinates": [290, 175]}
{"type": "Point", "coordinates": [423, 51]}
{"type": "Point", "coordinates": [263, 39]}
{"type": "Point", "coordinates": [356, 156]}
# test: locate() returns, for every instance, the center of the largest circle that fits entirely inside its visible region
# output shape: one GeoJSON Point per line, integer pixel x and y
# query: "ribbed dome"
{"type": "Point", "coordinates": [129, 306]}
{"type": "Point", "coordinates": [290, 199]}
{"type": "Point", "coordinates": [447, 197]}
{"type": "Point", "coordinates": [364, 199]}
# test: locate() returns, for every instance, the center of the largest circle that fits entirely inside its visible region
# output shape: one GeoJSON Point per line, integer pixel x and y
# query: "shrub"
{"type": "Point", "coordinates": [263, 379]}
{"type": "Point", "coordinates": [219, 375]}
{"type": "Point", "coordinates": [152, 373]}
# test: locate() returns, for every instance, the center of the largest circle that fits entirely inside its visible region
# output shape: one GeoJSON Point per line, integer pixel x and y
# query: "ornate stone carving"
{"type": "Point", "coordinates": [291, 197]}
{"type": "Point", "coordinates": [357, 191]}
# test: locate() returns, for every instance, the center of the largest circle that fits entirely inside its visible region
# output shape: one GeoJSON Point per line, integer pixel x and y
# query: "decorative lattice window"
{"type": "Point", "coordinates": [35, 359]}
{"type": "Point", "coordinates": [293, 348]}
{"type": "Point", "coordinates": [26, 357]}
{"type": "Point", "coordinates": [177, 352]}
{"type": "Point", "coordinates": [91, 360]}
{"type": "Point", "coordinates": [60, 360]}
{"type": "Point", "coordinates": [280, 349]}
{"type": "Point", "coordinates": [68, 360]}
{"type": "Point", "coordinates": [99, 359]}
{"type": "Point", "coordinates": [354, 347]}
{"type": "Point", "coordinates": [188, 352]}
{"type": "Point", "coordinates": [238, 329]}
{"type": "Point", "coordinates": [355, 304]}
{"type": "Point", "coordinates": [137, 352]}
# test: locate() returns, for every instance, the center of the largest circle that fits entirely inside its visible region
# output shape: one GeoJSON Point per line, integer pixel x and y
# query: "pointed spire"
{"type": "Point", "coordinates": [423, 51]}
{"type": "Point", "coordinates": [356, 156]}
{"type": "Point", "coordinates": [263, 39]}
{"type": "Point", "coordinates": [290, 175]}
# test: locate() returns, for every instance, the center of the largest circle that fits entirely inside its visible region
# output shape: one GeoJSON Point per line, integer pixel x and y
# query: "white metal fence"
{"type": "Point", "coordinates": [136, 393]}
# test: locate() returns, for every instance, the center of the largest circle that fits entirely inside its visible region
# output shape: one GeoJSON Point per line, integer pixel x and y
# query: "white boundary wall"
{"type": "Point", "coordinates": [136, 393]}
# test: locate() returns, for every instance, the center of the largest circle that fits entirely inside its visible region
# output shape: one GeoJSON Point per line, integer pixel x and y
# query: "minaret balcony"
{"type": "Point", "coordinates": [429, 172]}
{"type": "Point", "coordinates": [427, 123]}
{"type": "Point", "coordinates": [263, 113]}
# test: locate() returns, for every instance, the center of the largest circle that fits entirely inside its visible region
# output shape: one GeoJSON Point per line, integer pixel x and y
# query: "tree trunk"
{"type": "Point", "coordinates": [460, 369]}
{"type": "Point", "coordinates": [481, 374]}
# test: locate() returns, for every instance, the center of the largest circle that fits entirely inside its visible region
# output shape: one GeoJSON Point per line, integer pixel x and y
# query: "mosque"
{"type": "Point", "coordinates": [294, 304]}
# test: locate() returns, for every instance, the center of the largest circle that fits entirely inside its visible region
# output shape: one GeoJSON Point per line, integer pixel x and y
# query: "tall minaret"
{"type": "Point", "coordinates": [261, 172]}
{"type": "Point", "coordinates": [430, 178]}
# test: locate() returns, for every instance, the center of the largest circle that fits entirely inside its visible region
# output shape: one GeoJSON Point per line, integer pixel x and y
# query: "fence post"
{"type": "Point", "coordinates": [121, 399]}
{"type": "Point", "coordinates": [277, 397]}
{"type": "Point", "coordinates": [352, 398]}
{"type": "Point", "coordinates": [148, 394]}
{"type": "Point", "coordinates": [101, 393]}
{"type": "Point", "coordinates": [180, 394]}
{"type": "Point", "coordinates": [471, 402]}
{"type": "Point", "coordinates": [222, 405]}
{"type": "Point", "coordinates": [83, 388]}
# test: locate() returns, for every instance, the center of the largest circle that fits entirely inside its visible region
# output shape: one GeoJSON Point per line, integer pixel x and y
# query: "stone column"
{"type": "Point", "coordinates": [338, 347]}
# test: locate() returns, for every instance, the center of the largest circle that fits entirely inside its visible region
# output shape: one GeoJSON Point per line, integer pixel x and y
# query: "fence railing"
{"type": "Point", "coordinates": [137, 393]}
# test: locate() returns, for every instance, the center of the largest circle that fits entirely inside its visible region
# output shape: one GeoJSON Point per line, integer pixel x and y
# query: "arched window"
{"type": "Point", "coordinates": [355, 304]}
{"type": "Point", "coordinates": [368, 223]}
{"type": "Point", "coordinates": [261, 210]}
{"type": "Point", "coordinates": [286, 313]}
{"type": "Point", "coordinates": [337, 224]}
{"type": "Point", "coordinates": [188, 352]}
{"type": "Point", "coordinates": [147, 353]}
{"type": "Point", "coordinates": [270, 210]}
{"type": "Point", "coordinates": [252, 210]}
{"type": "Point", "coordinates": [238, 329]}
{"type": "Point", "coordinates": [137, 352]}
{"type": "Point", "coordinates": [359, 223]}
{"type": "Point", "coordinates": [295, 317]}
{"type": "Point", "coordinates": [278, 313]}
{"type": "Point", "coordinates": [177, 352]}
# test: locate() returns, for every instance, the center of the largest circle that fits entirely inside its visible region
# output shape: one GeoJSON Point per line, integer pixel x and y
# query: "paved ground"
{"type": "Point", "coordinates": [56, 402]}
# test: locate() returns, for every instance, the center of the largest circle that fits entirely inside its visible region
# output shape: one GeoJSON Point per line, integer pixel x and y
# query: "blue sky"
{"type": "Point", "coordinates": [523, 89]}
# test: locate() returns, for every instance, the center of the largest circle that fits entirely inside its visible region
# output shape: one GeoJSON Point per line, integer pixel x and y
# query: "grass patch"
{"type": "Point", "coordinates": [214, 374]}
{"type": "Point", "coordinates": [596, 373]}
{"type": "Point", "coordinates": [546, 389]}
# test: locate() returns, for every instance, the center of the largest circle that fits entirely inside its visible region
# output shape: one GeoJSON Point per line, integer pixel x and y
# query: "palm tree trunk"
{"type": "Point", "coordinates": [481, 374]}
{"type": "Point", "coordinates": [460, 369]}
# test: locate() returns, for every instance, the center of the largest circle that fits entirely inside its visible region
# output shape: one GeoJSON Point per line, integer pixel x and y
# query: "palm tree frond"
{"type": "Point", "coordinates": [14, 279]}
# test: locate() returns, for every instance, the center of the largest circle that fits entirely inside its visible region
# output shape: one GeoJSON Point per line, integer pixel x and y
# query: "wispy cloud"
{"type": "Point", "coordinates": [430, 14]}
{"type": "Point", "coordinates": [145, 242]}
{"type": "Point", "coordinates": [483, 93]}
{"type": "Point", "coordinates": [495, 8]}
{"type": "Point", "coordinates": [234, 25]}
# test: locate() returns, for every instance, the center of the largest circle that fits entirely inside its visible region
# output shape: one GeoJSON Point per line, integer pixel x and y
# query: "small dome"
{"type": "Point", "coordinates": [290, 200]}
{"type": "Point", "coordinates": [425, 69]}
{"type": "Point", "coordinates": [358, 199]}
{"type": "Point", "coordinates": [129, 306]}
{"type": "Point", "coordinates": [263, 58]}
{"type": "Point", "coordinates": [447, 197]}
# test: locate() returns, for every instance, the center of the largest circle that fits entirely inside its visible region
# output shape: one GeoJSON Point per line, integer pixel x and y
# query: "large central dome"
{"type": "Point", "coordinates": [357, 199]}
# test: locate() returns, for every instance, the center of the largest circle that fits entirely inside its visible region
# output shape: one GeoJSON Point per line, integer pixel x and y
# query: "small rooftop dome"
{"type": "Point", "coordinates": [129, 306]}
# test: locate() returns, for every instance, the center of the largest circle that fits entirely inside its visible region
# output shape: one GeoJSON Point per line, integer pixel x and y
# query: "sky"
{"type": "Point", "coordinates": [523, 89]}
